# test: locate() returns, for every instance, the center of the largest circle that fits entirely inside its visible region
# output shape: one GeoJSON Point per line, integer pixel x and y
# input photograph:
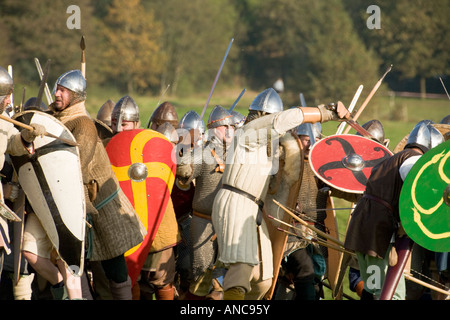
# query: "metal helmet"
{"type": "Point", "coordinates": [436, 137]}
{"type": "Point", "coordinates": [312, 130]}
{"type": "Point", "coordinates": [427, 122]}
{"type": "Point", "coordinates": [191, 120]}
{"type": "Point", "coordinates": [238, 119]}
{"type": "Point", "coordinates": [125, 109]}
{"type": "Point", "coordinates": [165, 112]}
{"type": "Point", "coordinates": [268, 101]}
{"type": "Point", "coordinates": [420, 135]}
{"type": "Point", "coordinates": [376, 130]}
{"type": "Point", "coordinates": [74, 81]}
{"type": "Point", "coordinates": [104, 113]}
{"type": "Point", "coordinates": [219, 116]}
{"type": "Point", "coordinates": [6, 83]}
{"type": "Point", "coordinates": [30, 104]}
{"type": "Point", "coordinates": [445, 120]}
{"type": "Point", "coordinates": [168, 130]}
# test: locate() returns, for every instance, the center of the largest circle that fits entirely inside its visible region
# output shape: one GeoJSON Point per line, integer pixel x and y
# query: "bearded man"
{"type": "Point", "coordinates": [116, 227]}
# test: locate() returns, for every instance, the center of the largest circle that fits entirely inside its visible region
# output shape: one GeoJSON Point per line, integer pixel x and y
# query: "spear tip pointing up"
{"type": "Point", "coordinates": [82, 44]}
{"type": "Point", "coordinates": [83, 57]}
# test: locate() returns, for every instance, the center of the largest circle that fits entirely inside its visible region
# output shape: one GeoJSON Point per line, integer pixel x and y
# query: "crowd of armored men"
{"type": "Point", "coordinates": [213, 242]}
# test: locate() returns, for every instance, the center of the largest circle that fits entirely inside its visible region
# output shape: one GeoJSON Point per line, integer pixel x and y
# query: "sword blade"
{"type": "Point", "coordinates": [358, 128]}
{"type": "Point", "coordinates": [350, 108]}
{"type": "Point", "coordinates": [47, 90]}
{"type": "Point", "coordinates": [42, 85]}
{"type": "Point", "coordinates": [442, 82]}
{"type": "Point", "coordinates": [237, 100]}
{"type": "Point", "coordinates": [215, 80]}
{"type": "Point", "coordinates": [302, 100]}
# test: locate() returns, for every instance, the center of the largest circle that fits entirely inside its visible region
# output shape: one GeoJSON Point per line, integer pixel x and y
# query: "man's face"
{"type": "Point", "coordinates": [62, 98]}
{"type": "Point", "coordinates": [306, 144]}
{"type": "Point", "coordinates": [126, 126]}
{"type": "Point", "coordinates": [4, 103]}
{"type": "Point", "coordinates": [224, 133]}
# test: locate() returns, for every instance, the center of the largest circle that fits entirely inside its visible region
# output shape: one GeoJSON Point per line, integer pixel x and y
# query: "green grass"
{"type": "Point", "coordinates": [398, 115]}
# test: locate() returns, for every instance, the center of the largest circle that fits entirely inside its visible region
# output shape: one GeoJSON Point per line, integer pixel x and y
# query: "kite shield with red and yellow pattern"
{"type": "Point", "coordinates": [143, 161]}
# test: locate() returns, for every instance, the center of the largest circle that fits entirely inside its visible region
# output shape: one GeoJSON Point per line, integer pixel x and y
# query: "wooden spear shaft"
{"type": "Point", "coordinates": [324, 243]}
{"type": "Point", "coordinates": [319, 241]}
{"type": "Point", "coordinates": [30, 128]}
{"type": "Point", "coordinates": [407, 276]}
{"type": "Point", "coordinates": [375, 88]}
{"type": "Point", "coordinates": [425, 284]}
{"type": "Point", "coordinates": [319, 232]}
{"type": "Point", "coordinates": [83, 57]}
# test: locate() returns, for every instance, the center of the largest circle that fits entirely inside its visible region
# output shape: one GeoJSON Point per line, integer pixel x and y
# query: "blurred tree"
{"type": "Point", "coordinates": [132, 54]}
{"type": "Point", "coordinates": [39, 29]}
{"type": "Point", "coordinates": [196, 34]}
{"type": "Point", "coordinates": [413, 35]}
{"type": "Point", "coordinates": [338, 59]}
{"type": "Point", "coordinates": [312, 46]}
{"type": "Point", "coordinates": [6, 54]}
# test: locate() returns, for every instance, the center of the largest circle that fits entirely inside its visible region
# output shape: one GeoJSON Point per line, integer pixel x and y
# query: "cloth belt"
{"type": "Point", "coordinates": [383, 202]}
{"type": "Point", "coordinates": [256, 200]}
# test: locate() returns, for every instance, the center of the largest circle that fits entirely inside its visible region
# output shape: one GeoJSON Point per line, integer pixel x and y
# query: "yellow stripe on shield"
{"type": "Point", "coordinates": [155, 170]}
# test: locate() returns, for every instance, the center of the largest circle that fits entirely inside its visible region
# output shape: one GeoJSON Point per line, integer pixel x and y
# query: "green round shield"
{"type": "Point", "coordinates": [425, 200]}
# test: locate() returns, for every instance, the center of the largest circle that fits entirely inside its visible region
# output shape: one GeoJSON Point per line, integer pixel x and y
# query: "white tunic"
{"type": "Point", "coordinates": [248, 168]}
{"type": "Point", "coordinates": [10, 142]}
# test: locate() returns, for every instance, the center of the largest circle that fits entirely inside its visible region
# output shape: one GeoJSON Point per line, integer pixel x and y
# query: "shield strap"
{"type": "Point", "coordinates": [106, 200]}
{"type": "Point", "coordinates": [256, 200]}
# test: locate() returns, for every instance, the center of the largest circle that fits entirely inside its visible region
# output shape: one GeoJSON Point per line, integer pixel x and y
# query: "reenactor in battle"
{"type": "Point", "coordinates": [164, 113]}
{"type": "Point", "coordinates": [243, 240]}
{"type": "Point", "coordinates": [157, 276]}
{"type": "Point", "coordinates": [375, 222]}
{"type": "Point", "coordinates": [104, 113]}
{"type": "Point", "coordinates": [116, 228]}
{"type": "Point", "coordinates": [207, 172]}
{"type": "Point", "coordinates": [165, 120]}
{"type": "Point", "coordinates": [306, 263]}
{"type": "Point", "coordinates": [298, 264]}
{"type": "Point", "coordinates": [15, 143]}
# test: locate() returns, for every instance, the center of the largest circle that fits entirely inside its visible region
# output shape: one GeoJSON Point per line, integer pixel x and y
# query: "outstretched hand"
{"type": "Point", "coordinates": [334, 112]}
{"type": "Point", "coordinates": [30, 135]}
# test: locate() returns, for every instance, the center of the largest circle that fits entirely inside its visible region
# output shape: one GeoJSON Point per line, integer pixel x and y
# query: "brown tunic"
{"type": "Point", "coordinates": [373, 223]}
{"type": "Point", "coordinates": [116, 227]}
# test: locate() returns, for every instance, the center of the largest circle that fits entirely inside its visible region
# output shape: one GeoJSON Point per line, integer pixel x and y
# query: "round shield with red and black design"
{"type": "Point", "coordinates": [346, 161]}
{"type": "Point", "coordinates": [143, 161]}
{"type": "Point", "coordinates": [424, 204]}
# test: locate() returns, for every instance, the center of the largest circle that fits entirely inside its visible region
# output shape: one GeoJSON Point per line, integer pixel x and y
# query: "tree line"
{"type": "Point", "coordinates": [323, 48]}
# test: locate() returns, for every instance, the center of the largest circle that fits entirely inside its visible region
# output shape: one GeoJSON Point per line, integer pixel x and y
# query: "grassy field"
{"type": "Point", "coordinates": [397, 114]}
